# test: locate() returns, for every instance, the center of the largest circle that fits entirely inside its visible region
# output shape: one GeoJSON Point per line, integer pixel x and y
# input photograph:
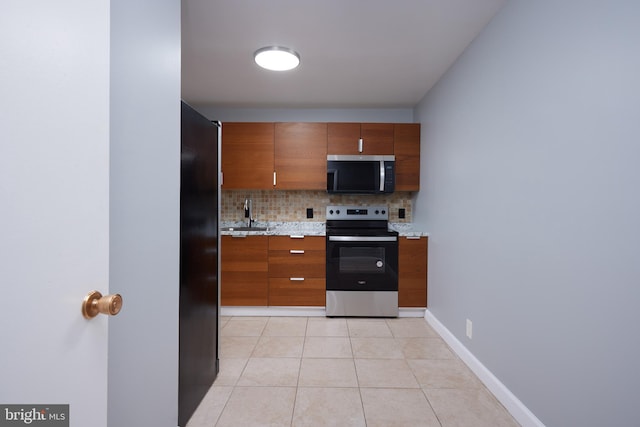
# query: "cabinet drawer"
{"type": "Point", "coordinates": [307, 292]}
{"type": "Point", "coordinates": [303, 263]}
{"type": "Point", "coordinates": [281, 243]}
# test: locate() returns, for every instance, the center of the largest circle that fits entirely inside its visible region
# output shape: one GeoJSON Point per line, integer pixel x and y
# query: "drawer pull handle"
{"type": "Point", "coordinates": [296, 279]}
{"type": "Point", "coordinates": [239, 236]}
{"type": "Point", "coordinates": [295, 236]}
{"type": "Point", "coordinates": [296, 251]}
{"type": "Point", "coordinates": [413, 237]}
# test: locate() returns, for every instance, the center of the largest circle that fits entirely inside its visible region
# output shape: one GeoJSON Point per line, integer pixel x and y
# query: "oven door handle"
{"type": "Point", "coordinates": [363, 238]}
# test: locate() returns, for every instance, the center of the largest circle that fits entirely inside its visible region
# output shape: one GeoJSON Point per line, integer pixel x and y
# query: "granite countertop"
{"type": "Point", "coordinates": [304, 229]}
{"type": "Point", "coordinates": [407, 229]}
{"type": "Point", "coordinates": [276, 229]}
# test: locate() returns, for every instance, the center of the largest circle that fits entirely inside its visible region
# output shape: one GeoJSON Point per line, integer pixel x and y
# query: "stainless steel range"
{"type": "Point", "coordinates": [362, 262]}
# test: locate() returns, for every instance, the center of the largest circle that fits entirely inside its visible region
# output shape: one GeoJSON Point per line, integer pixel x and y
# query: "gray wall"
{"type": "Point", "coordinates": [375, 115]}
{"type": "Point", "coordinates": [531, 193]}
{"type": "Point", "coordinates": [144, 212]}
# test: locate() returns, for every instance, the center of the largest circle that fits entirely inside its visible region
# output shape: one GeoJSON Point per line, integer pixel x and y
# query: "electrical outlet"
{"type": "Point", "coordinates": [401, 213]}
{"type": "Point", "coordinates": [309, 212]}
{"type": "Point", "coordinates": [469, 329]}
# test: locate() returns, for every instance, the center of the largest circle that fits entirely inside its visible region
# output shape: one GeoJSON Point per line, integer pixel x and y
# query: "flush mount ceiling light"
{"type": "Point", "coordinates": [277, 58]}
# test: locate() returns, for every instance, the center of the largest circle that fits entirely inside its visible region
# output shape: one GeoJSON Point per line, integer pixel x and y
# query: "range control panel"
{"type": "Point", "coordinates": [357, 212]}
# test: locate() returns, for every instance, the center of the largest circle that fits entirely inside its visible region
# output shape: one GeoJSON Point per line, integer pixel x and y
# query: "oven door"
{"type": "Point", "coordinates": [362, 263]}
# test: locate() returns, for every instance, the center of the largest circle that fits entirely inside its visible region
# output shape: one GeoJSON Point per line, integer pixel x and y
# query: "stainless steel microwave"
{"type": "Point", "coordinates": [361, 174]}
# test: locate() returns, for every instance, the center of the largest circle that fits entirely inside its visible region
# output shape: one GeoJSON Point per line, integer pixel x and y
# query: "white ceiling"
{"type": "Point", "coordinates": [354, 53]}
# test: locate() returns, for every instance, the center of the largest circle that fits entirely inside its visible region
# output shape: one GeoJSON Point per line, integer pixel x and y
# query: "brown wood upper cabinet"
{"type": "Point", "coordinates": [360, 138]}
{"type": "Point", "coordinates": [406, 147]}
{"type": "Point", "coordinates": [301, 156]}
{"type": "Point", "coordinates": [293, 156]}
{"type": "Point", "coordinates": [247, 155]}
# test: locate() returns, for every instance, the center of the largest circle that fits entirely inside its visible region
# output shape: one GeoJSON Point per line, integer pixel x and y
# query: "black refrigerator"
{"type": "Point", "coordinates": [199, 242]}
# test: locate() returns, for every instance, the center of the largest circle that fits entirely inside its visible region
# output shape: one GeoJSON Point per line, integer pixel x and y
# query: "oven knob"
{"type": "Point", "coordinates": [330, 211]}
{"type": "Point", "coordinates": [384, 212]}
{"type": "Point", "coordinates": [377, 211]}
{"type": "Point", "coordinates": [379, 264]}
{"type": "Point", "coordinates": [338, 212]}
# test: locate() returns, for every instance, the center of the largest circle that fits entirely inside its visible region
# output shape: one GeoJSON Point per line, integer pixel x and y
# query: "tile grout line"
{"type": "Point", "coordinates": [404, 356]}
{"type": "Point", "coordinates": [353, 359]}
{"type": "Point", "coordinates": [295, 397]}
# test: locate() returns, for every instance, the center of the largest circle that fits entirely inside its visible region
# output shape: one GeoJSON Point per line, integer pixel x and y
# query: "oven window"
{"type": "Point", "coordinates": [362, 260]}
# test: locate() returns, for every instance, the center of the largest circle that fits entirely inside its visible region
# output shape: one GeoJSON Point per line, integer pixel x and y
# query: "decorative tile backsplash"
{"type": "Point", "coordinates": [280, 205]}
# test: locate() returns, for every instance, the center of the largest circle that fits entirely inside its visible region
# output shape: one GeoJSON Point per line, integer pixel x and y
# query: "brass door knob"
{"type": "Point", "coordinates": [95, 303]}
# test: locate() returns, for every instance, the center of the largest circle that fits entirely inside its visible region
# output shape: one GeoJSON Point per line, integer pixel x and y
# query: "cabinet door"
{"type": "Point", "coordinates": [247, 155]}
{"type": "Point", "coordinates": [377, 138]}
{"type": "Point", "coordinates": [343, 138]}
{"type": "Point", "coordinates": [412, 272]}
{"type": "Point", "coordinates": [407, 151]}
{"type": "Point", "coordinates": [244, 271]}
{"type": "Point", "coordinates": [301, 156]}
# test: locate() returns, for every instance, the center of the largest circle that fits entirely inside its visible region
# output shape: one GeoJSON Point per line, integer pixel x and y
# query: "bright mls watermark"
{"type": "Point", "coordinates": [34, 415]}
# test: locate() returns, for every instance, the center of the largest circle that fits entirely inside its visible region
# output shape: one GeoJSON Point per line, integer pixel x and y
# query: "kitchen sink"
{"type": "Point", "coordinates": [244, 229]}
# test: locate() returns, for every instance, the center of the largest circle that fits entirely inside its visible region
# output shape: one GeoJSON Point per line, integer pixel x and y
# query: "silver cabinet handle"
{"type": "Point", "coordinates": [238, 236]}
{"type": "Point", "coordinates": [295, 236]}
{"type": "Point", "coordinates": [413, 237]}
{"type": "Point", "coordinates": [296, 279]}
{"type": "Point", "coordinates": [360, 145]}
{"type": "Point", "coordinates": [296, 251]}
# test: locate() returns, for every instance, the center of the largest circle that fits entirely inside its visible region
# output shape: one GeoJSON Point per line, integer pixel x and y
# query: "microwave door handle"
{"type": "Point", "coordinates": [382, 176]}
{"type": "Point", "coordinates": [334, 181]}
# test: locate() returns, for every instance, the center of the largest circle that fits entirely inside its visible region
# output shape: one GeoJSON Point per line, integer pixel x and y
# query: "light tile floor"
{"type": "Point", "coordinates": [316, 371]}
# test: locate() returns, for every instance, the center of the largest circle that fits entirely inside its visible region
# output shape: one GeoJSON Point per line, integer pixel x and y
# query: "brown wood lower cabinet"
{"type": "Point", "coordinates": [290, 271]}
{"type": "Point", "coordinates": [297, 271]}
{"type": "Point", "coordinates": [244, 270]}
{"type": "Point", "coordinates": [273, 271]}
{"type": "Point", "coordinates": [412, 274]}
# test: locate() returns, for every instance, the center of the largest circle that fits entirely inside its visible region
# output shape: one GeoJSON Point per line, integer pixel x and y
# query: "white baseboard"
{"type": "Point", "coordinates": [299, 311]}
{"type": "Point", "coordinates": [516, 408]}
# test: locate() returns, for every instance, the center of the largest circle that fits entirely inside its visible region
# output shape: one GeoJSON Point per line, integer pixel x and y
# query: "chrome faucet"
{"type": "Point", "coordinates": [248, 211]}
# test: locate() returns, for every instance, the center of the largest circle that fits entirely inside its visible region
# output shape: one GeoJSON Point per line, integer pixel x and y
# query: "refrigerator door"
{"type": "Point", "coordinates": [199, 303]}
